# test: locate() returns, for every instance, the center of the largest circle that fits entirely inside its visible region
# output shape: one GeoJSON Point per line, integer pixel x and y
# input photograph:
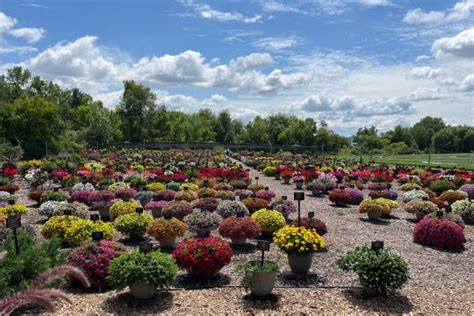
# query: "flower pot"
{"type": "Point", "coordinates": [104, 213]}
{"type": "Point", "coordinates": [316, 193]}
{"type": "Point", "coordinates": [277, 177]}
{"type": "Point", "coordinates": [156, 212]}
{"type": "Point", "coordinates": [374, 215]}
{"type": "Point", "coordinates": [266, 235]}
{"type": "Point", "coordinates": [203, 232]}
{"type": "Point", "coordinates": [263, 283]}
{"type": "Point", "coordinates": [239, 241]}
{"type": "Point", "coordinates": [168, 243]}
{"type": "Point", "coordinates": [142, 290]}
{"type": "Point", "coordinates": [300, 263]}
{"type": "Point", "coordinates": [286, 180]}
{"type": "Point", "coordinates": [299, 185]}
{"type": "Point", "coordinates": [419, 216]}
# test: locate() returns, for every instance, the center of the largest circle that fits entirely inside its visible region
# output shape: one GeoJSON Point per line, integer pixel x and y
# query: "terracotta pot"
{"type": "Point", "coordinates": [300, 263]}
{"type": "Point", "coordinates": [263, 283]}
{"type": "Point", "coordinates": [142, 290]}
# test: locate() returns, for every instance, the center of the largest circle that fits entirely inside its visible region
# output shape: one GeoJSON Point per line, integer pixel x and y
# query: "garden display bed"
{"type": "Point", "coordinates": [440, 281]}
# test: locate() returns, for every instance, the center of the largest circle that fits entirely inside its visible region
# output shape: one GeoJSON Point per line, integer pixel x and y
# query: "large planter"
{"type": "Point", "coordinates": [168, 243]}
{"type": "Point", "coordinates": [203, 233]}
{"type": "Point", "coordinates": [374, 215]}
{"type": "Point", "coordinates": [104, 213]}
{"type": "Point", "coordinates": [142, 290]}
{"type": "Point", "coordinates": [299, 185]}
{"type": "Point", "coordinates": [300, 263]}
{"type": "Point", "coordinates": [238, 241]}
{"type": "Point", "coordinates": [156, 212]}
{"type": "Point", "coordinates": [263, 283]}
{"type": "Point", "coordinates": [286, 180]}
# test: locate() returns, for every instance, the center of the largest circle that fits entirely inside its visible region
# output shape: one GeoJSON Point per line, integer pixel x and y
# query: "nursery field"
{"type": "Point", "coordinates": [182, 232]}
{"type": "Point", "coordinates": [465, 160]}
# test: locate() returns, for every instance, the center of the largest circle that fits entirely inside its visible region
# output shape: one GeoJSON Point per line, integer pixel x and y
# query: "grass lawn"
{"type": "Point", "coordinates": [465, 160]}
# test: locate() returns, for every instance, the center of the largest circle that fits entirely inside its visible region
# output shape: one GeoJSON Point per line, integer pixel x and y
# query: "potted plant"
{"type": "Point", "coordinates": [380, 271]}
{"type": "Point", "coordinates": [286, 176]}
{"type": "Point", "coordinates": [375, 209]}
{"type": "Point", "coordinates": [316, 187]}
{"type": "Point", "coordinates": [166, 230]}
{"type": "Point", "coordinates": [465, 208]}
{"type": "Point", "coordinates": [202, 222]}
{"type": "Point", "coordinates": [142, 272]}
{"type": "Point", "coordinates": [259, 277]}
{"type": "Point", "coordinates": [203, 257]}
{"type": "Point", "coordinates": [231, 208]}
{"type": "Point", "coordinates": [121, 207]}
{"type": "Point", "coordinates": [340, 197]}
{"type": "Point", "coordinates": [300, 244]}
{"type": "Point", "coordinates": [298, 179]}
{"type": "Point", "coordinates": [239, 229]}
{"type": "Point", "coordinates": [269, 220]}
{"type": "Point", "coordinates": [420, 208]}
{"type": "Point", "coordinates": [133, 225]}
{"type": "Point", "coordinates": [155, 207]}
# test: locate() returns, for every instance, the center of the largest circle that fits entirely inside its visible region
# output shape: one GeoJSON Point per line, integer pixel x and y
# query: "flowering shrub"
{"type": "Point", "coordinates": [10, 188]}
{"type": "Point", "coordinates": [465, 208]}
{"type": "Point", "coordinates": [410, 186]}
{"type": "Point", "coordinates": [373, 207]}
{"type": "Point", "coordinates": [223, 186]}
{"type": "Point", "coordinates": [95, 258]}
{"type": "Point", "coordinates": [50, 195]}
{"type": "Point", "coordinates": [100, 196]}
{"type": "Point", "coordinates": [203, 257]}
{"type": "Point", "coordinates": [239, 184]}
{"type": "Point", "coordinates": [356, 195]}
{"type": "Point", "coordinates": [35, 195]}
{"type": "Point", "coordinates": [82, 229]}
{"type": "Point", "coordinates": [226, 195]}
{"type": "Point", "coordinates": [12, 210]}
{"type": "Point", "coordinates": [440, 186]}
{"type": "Point", "coordinates": [155, 205]}
{"type": "Point", "coordinates": [298, 178]}
{"type": "Point", "coordinates": [48, 208]}
{"type": "Point", "coordinates": [415, 195]}
{"type": "Point", "coordinates": [327, 180]}
{"type": "Point", "coordinates": [377, 186]}
{"type": "Point", "coordinates": [155, 186]}
{"type": "Point", "coordinates": [452, 196]}
{"type": "Point", "coordinates": [469, 189]}
{"type": "Point", "coordinates": [267, 195]}
{"type": "Point", "coordinates": [312, 223]}
{"type": "Point", "coordinates": [254, 187]}
{"type": "Point", "coordinates": [381, 271]}
{"type": "Point", "coordinates": [202, 220]}
{"type": "Point", "coordinates": [285, 207]}
{"type": "Point", "coordinates": [243, 194]}
{"type": "Point", "coordinates": [269, 220]}
{"type": "Point", "coordinates": [118, 185]}
{"type": "Point", "coordinates": [270, 171]}
{"type": "Point", "coordinates": [133, 225]}
{"type": "Point", "coordinates": [121, 207]}
{"type": "Point", "coordinates": [439, 233]}
{"type": "Point", "coordinates": [173, 186]}
{"type": "Point", "coordinates": [164, 195]}
{"type": "Point", "coordinates": [189, 186]}
{"type": "Point", "coordinates": [186, 195]}
{"type": "Point", "coordinates": [207, 193]}
{"type": "Point", "coordinates": [239, 227]}
{"type": "Point", "coordinates": [75, 209]}
{"type": "Point", "coordinates": [255, 204]}
{"type": "Point", "coordinates": [420, 208]}
{"type": "Point", "coordinates": [387, 194]}
{"type": "Point", "coordinates": [144, 197]}
{"type": "Point", "coordinates": [82, 187]}
{"type": "Point", "coordinates": [81, 196]}
{"type": "Point", "coordinates": [165, 229]}
{"type": "Point", "coordinates": [293, 239]}
{"type": "Point", "coordinates": [178, 209]}
{"type": "Point", "coordinates": [231, 208]}
{"type": "Point", "coordinates": [125, 194]}
{"type": "Point", "coordinates": [154, 268]}
{"type": "Point", "coordinates": [340, 197]}
{"type": "Point", "coordinates": [58, 225]}
{"type": "Point", "coordinates": [208, 204]}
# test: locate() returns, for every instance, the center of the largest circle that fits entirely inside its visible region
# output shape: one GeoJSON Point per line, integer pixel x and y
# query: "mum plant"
{"type": "Point", "coordinates": [415, 195]}
{"type": "Point", "coordinates": [312, 223]}
{"type": "Point", "coordinates": [420, 208]}
{"type": "Point", "coordinates": [178, 209]}
{"type": "Point", "coordinates": [202, 220]}
{"type": "Point", "coordinates": [269, 220]}
{"type": "Point", "coordinates": [465, 208]}
{"type": "Point", "coordinates": [440, 233]}
{"type": "Point", "coordinates": [133, 225]}
{"type": "Point", "coordinates": [340, 197]}
{"type": "Point", "coordinates": [239, 228]}
{"type": "Point", "coordinates": [300, 240]}
{"type": "Point", "coordinates": [203, 257]}
{"type": "Point", "coordinates": [164, 195]}
{"type": "Point", "coordinates": [255, 204]}
{"type": "Point", "coordinates": [121, 207]}
{"type": "Point", "coordinates": [231, 208]}
{"type": "Point", "coordinates": [13, 210]}
{"type": "Point", "coordinates": [452, 196]}
{"type": "Point", "coordinates": [165, 229]}
{"type": "Point", "coordinates": [82, 229]}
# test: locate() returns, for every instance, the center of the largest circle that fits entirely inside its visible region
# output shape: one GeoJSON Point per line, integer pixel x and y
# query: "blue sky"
{"type": "Point", "coordinates": [348, 62]}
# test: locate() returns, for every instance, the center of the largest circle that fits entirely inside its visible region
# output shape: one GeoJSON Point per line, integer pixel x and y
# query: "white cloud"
{"type": "Point", "coordinates": [418, 16]}
{"type": "Point", "coordinates": [31, 34]}
{"type": "Point", "coordinates": [425, 94]}
{"type": "Point", "coordinates": [207, 12]}
{"type": "Point", "coordinates": [468, 83]}
{"type": "Point", "coordinates": [425, 72]}
{"type": "Point", "coordinates": [7, 29]}
{"type": "Point", "coordinates": [460, 45]}
{"type": "Point", "coordinates": [275, 6]}
{"type": "Point", "coordinates": [460, 11]}
{"type": "Point", "coordinates": [278, 43]}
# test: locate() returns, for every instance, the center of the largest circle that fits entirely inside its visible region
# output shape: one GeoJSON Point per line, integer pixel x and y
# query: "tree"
{"type": "Point", "coordinates": [256, 132]}
{"type": "Point", "coordinates": [103, 127]}
{"type": "Point", "coordinates": [136, 104]}
{"type": "Point", "coordinates": [223, 128]}
{"type": "Point", "coordinates": [444, 140]}
{"type": "Point", "coordinates": [424, 130]}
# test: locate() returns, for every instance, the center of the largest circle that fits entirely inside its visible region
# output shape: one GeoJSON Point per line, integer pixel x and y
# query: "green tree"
{"type": "Point", "coordinates": [424, 130]}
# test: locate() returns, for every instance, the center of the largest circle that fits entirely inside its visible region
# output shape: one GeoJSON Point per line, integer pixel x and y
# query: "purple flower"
{"type": "Point", "coordinates": [164, 195]}
{"type": "Point", "coordinates": [80, 196]}
{"type": "Point", "coordinates": [356, 195]}
{"type": "Point", "coordinates": [155, 205]}
{"type": "Point", "coordinates": [469, 189]}
{"type": "Point", "coordinates": [125, 194]}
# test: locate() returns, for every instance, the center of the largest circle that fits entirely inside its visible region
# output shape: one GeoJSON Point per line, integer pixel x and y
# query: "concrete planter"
{"type": "Point", "coordinates": [142, 290]}
{"type": "Point", "coordinates": [263, 283]}
{"type": "Point", "coordinates": [300, 263]}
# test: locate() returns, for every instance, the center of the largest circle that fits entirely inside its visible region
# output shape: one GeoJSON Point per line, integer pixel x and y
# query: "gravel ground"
{"type": "Point", "coordinates": [440, 282]}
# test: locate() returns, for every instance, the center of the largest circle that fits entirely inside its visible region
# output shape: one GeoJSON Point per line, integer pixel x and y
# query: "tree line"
{"type": "Point", "coordinates": [41, 117]}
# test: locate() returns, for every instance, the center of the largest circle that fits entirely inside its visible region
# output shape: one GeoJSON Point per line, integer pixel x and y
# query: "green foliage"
{"type": "Point", "coordinates": [82, 230]}
{"type": "Point", "coordinates": [380, 271]}
{"type": "Point", "coordinates": [250, 267]}
{"type": "Point", "coordinates": [440, 186]}
{"type": "Point", "coordinates": [154, 268]}
{"type": "Point", "coordinates": [133, 225]}
{"type": "Point", "coordinates": [16, 271]}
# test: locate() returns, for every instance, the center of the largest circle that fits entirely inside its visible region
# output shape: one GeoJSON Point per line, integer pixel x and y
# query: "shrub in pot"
{"type": "Point", "coordinates": [340, 197]}
{"type": "Point", "coordinates": [51, 195]}
{"type": "Point", "coordinates": [178, 209]}
{"type": "Point", "coordinates": [269, 220]}
{"type": "Point", "coordinates": [186, 195]}
{"type": "Point", "coordinates": [259, 278]}
{"type": "Point", "coordinates": [231, 208]}
{"type": "Point", "coordinates": [420, 208]}
{"type": "Point", "coordinates": [155, 186]}
{"type": "Point", "coordinates": [239, 229]}
{"type": "Point", "coordinates": [75, 209]}
{"type": "Point", "coordinates": [48, 208]}
{"type": "Point", "coordinates": [270, 171]}
{"type": "Point", "coordinates": [410, 186]}
{"type": "Point", "coordinates": [439, 233]}
{"type": "Point", "coordinates": [285, 207]}
{"type": "Point", "coordinates": [202, 222]}
{"type": "Point", "coordinates": [203, 257]}
{"type": "Point", "coordinates": [415, 195]}
{"type": "Point", "coordinates": [155, 207]}
{"type": "Point", "coordinates": [133, 225]}
{"type": "Point", "coordinates": [207, 193]}
{"type": "Point", "coordinates": [377, 186]}
{"type": "Point", "coordinates": [142, 272]}
{"type": "Point", "coordinates": [144, 197]}
{"type": "Point", "coordinates": [125, 194]}
{"type": "Point", "coordinates": [439, 186]}
{"type": "Point", "coordinates": [381, 272]}
{"type": "Point", "coordinates": [14, 210]}
{"type": "Point", "coordinates": [58, 225]}
{"type": "Point", "coordinates": [266, 195]}
{"type": "Point", "coordinates": [377, 208]}
{"type": "Point", "coordinates": [387, 194]}
{"type": "Point", "coordinates": [356, 195]}
{"type": "Point", "coordinates": [188, 186]}
{"type": "Point", "coordinates": [223, 186]}
{"type": "Point", "coordinates": [95, 258]}
{"type": "Point", "coordinates": [465, 209]}
{"type": "Point", "coordinates": [469, 189]}
{"type": "Point", "coordinates": [226, 195]}
{"type": "Point", "coordinates": [299, 243]}
{"type": "Point", "coordinates": [80, 196]}
{"type": "Point", "coordinates": [121, 207]}
{"type": "Point", "coordinates": [165, 230]}
{"type": "Point", "coordinates": [243, 194]}
{"type": "Point", "coordinates": [164, 195]}
{"type": "Point", "coordinates": [208, 204]}
{"type": "Point", "coordinates": [255, 204]}
{"type": "Point", "coordinates": [254, 187]}
{"type": "Point", "coordinates": [452, 196]}
{"type": "Point", "coordinates": [82, 229]}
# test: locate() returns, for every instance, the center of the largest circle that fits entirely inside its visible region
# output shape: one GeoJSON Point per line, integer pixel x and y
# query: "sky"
{"type": "Point", "coordinates": [352, 63]}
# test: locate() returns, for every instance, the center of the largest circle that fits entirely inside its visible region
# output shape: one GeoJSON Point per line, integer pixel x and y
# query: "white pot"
{"type": "Point", "coordinates": [263, 283]}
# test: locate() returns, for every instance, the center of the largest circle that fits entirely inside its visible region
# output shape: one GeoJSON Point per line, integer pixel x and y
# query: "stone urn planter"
{"type": "Point", "coordinates": [239, 241]}
{"type": "Point", "coordinates": [300, 263]}
{"type": "Point", "coordinates": [142, 290]}
{"type": "Point", "coordinates": [263, 283]}
{"type": "Point", "coordinates": [299, 185]}
{"type": "Point", "coordinates": [168, 243]}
